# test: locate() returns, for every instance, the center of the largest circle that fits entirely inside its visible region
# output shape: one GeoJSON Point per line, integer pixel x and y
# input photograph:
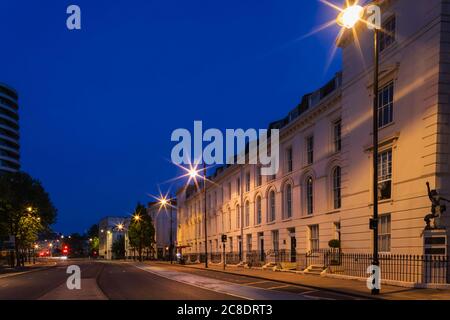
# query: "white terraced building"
{"type": "Point", "coordinates": [323, 190]}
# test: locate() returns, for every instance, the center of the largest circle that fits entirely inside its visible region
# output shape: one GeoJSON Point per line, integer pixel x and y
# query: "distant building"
{"type": "Point", "coordinates": [108, 234]}
{"type": "Point", "coordinates": [9, 130]}
{"type": "Point", "coordinates": [161, 220]}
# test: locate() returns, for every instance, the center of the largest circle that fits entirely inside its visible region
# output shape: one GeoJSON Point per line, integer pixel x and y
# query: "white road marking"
{"type": "Point", "coordinates": [308, 292]}
{"type": "Point", "coordinates": [256, 282]}
{"type": "Point", "coordinates": [233, 289]}
{"type": "Point", "coordinates": [279, 287]}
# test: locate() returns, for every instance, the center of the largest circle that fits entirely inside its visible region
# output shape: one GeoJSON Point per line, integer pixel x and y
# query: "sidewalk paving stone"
{"type": "Point", "coordinates": [352, 287]}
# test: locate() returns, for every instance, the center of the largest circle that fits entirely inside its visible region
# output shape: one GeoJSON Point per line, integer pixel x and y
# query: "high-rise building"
{"type": "Point", "coordinates": [9, 130]}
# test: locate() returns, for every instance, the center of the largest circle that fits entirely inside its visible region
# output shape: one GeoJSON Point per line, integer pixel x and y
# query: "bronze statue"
{"type": "Point", "coordinates": [437, 209]}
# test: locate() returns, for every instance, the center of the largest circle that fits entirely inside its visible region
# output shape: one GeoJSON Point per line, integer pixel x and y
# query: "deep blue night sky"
{"type": "Point", "coordinates": [98, 105]}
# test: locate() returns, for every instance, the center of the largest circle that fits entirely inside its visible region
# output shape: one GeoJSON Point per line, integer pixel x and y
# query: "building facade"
{"type": "Point", "coordinates": [323, 190]}
{"type": "Point", "coordinates": [165, 222]}
{"type": "Point", "coordinates": [9, 130]}
{"type": "Point", "coordinates": [110, 233]}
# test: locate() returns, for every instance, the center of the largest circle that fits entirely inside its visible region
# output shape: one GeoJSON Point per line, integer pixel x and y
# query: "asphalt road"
{"type": "Point", "coordinates": [134, 281]}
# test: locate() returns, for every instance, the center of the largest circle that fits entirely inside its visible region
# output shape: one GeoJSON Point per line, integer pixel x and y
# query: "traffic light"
{"type": "Point", "coordinates": [65, 249]}
{"type": "Point", "coordinates": [224, 238]}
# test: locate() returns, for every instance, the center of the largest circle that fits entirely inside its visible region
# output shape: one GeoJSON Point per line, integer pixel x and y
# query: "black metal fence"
{"type": "Point", "coordinates": [404, 268]}
{"type": "Point", "coordinates": [233, 258]}
{"type": "Point", "coordinates": [216, 257]}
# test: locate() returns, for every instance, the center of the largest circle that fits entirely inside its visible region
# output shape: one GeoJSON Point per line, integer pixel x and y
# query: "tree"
{"type": "Point", "coordinates": [94, 241]}
{"type": "Point", "coordinates": [93, 231]}
{"type": "Point", "coordinates": [25, 210]}
{"type": "Point", "coordinates": [141, 232]}
{"type": "Point", "coordinates": [118, 247]}
{"type": "Point", "coordinates": [76, 245]}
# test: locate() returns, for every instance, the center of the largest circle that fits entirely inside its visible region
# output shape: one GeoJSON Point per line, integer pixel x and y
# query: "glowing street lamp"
{"type": "Point", "coordinates": [350, 16]}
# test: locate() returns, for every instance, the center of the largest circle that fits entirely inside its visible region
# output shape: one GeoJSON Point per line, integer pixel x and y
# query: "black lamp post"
{"type": "Point", "coordinates": [348, 18]}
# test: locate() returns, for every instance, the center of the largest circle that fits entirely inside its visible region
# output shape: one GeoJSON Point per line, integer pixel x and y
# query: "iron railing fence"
{"type": "Point", "coordinates": [319, 257]}
{"type": "Point", "coordinates": [233, 258]}
{"type": "Point", "coordinates": [216, 257]}
{"type": "Point", "coordinates": [395, 267]}
{"type": "Point", "coordinates": [255, 258]}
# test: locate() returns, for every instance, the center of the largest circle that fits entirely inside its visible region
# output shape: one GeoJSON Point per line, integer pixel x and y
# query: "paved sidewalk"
{"type": "Point", "coordinates": [39, 265]}
{"type": "Point", "coordinates": [353, 287]}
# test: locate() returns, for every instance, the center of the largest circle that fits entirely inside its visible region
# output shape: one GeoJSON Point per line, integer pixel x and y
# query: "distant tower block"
{"type": "Point", "coordinates": [9, 130]}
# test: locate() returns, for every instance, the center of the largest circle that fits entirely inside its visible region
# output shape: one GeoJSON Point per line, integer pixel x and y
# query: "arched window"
{"type": "Point", "coordinates": [247, 214]}
{"type": "Point", "coordinates": [288, 201]}
{"type": "Point", "coordinates": [258, 210]}
{"type": "Point", "coordinates": [271, 216]}
{"type": "Point", "coordinates": [309, 195]}
{"type": "Point", "coordinates": [337, 200]}
{"type": "Point", "coordinates": [238, 217]}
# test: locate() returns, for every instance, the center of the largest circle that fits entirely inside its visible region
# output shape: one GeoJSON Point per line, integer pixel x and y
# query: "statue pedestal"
{"type": "Point", "coordinates": [434, 263]}
{"type": "Point", "coordinates": [435, 242]}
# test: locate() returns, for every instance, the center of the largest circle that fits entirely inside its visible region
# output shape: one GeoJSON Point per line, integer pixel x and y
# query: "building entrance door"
{"type": "Point", "coordinates": [262, 256]}
{"type": "Point", "coordinates": [293, 249]}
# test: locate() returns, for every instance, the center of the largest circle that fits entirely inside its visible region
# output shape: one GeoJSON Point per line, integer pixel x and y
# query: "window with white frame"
{"type": "Point", "coordinates": [247, 182]}
{"type": "Point", "coordinates": [385, 175]}
{"type": "Point", "coordinates": [271, 215]}
{"type": "Point", "coordinates": [309, 196]}
{"type": "Point", "coordinates": [386, 105]}
{"type": "Point", "coordinates": [289, 159]}
{"type": "Point", "coordinates": [247, 214]}
{"type": "Point", "coordinates": [258, 178]}
{"type": "Point", "coordinates": [337, 199]}
{"type": "Point", "coordinates": [384, 233]}
{"type": "Point", "coordinates": [258, 210]}
{"type": "Point", "coordinates": [310, 149]}
{"type": "Point", "coordinates": [288, 201]}
{"type": "Point", "coordinates": [275, 240]}
{"type": "Point", "coordinates": [337, 132]}
{"type": "Point", "coordinates": [249, 243]}
{"type": "Point", "coordinates": [387, 35]}
{"type": "Point", "coordinates": [314, 241]}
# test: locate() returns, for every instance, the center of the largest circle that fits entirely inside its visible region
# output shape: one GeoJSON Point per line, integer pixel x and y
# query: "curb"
{"type": "Point", "coordinates": [357, 295]}
{"type": "Point", "coordinates": [8, 275]}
